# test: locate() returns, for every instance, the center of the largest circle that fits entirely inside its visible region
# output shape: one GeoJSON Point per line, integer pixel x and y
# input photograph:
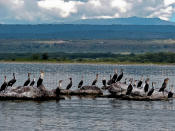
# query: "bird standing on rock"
{"type": "Point", "coordinates": [70, 84]}
{"type": "Point", "coordinates": [139, 84]}
{"type": "Point", "coordinates": [104, 82]}
{"type": "Point", "coordinates": [27, 81]}
{"type": "Point", "coordinates": [110, 80]}
{"type": "Point", "coordinates": [4, 85]}
{"type": "Point", "coordinates": [146, 87]}
{"type": "Point", "coordinates": [40, 80]}
{"type": "Point", "coordinates": [57, 91]}
{"type": "Point", "coordinates": [170, 93]}
{"type": "Point", "coordinates": [95, 81]}
{"type": "Point", "coordinates": [80, 83]}
{"type": "Point", "coordinates": [120, 76]}
{"type": "Point", "coordinates": [114, 78]}
{"type": "Point", "coordinates": [125, 82]}
{"type": "Point", "coordinates": [130, 88]}
{"type": "Point", "coordinates": [33, 82]}
{"type": "Point", "coordinates": [12, 81]}
{"type": "Point", "coordinates": [151, 91]}
{"type": "Point", "coordinates": [164, 85]}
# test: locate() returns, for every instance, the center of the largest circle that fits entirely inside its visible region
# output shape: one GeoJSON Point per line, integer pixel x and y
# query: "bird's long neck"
{"type": "Point", "coordinates": [131, 82]}
{"type": "Point", "coordinates": [97, 77]}
{"type": "Point", "coordinates": [42, 76]}
{"type": "Point", "coordinates": [28, 76]}
{"type": "Point", "coordinates": [5, 79]}
{"type": "Point", "coordinates": [60, 85]}
{"type": "Point", "coordinates": [13, 76]}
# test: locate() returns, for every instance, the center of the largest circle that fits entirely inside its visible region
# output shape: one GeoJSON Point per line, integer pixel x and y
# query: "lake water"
{"type": "Point", "coordinates": [86, 113]}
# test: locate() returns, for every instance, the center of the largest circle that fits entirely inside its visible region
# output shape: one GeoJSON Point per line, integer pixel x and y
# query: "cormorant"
{"type": "Point", "coordinates": [80, 83]}
{"type": "Point", "coordinates": [40, 80]}
{"type": "Point", "coordinates": [120, 76]}
{"type": "Point", "coordinates": [164, 85]}
{"type": "Point", "coordinates": [4, 85]}
{"type": "Point", "coordinates": [110, 80]}
{"type": "Point", "coordinates": [95, 81]}
{"type": "Point", "coordinates": [135, 83]}
{"type": "Point", "coordinates": [170, 93]}
{"type": "Point", "coordinates": [130, 87]}
{"type": "Point", "coordinates": [70, 84]}
{"type": "Point", "coordinates": [104, 82]}
{"type": "Point", "coordinates": [151, 91]}
{"type": "Point", "coordinates": [32, 82]}
{"type": "Point", "coordinates": [57, 91]}
{"type": "Point", "coordinates": [125, 82]}
{"type": "Point", "coordinates": [146, 87]}
{"type": "Point", "coordinates": [140, 83]}
{"type": "Point", "coordinates": [114, 78]}
{"type": "Point", "coordinates": [12, 81]}
{"type": "Point", "coordinates": [27, 81]}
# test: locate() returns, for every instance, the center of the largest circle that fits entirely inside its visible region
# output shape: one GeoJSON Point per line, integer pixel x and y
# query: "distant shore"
{"type": "Point", "coordinates": [75, 62]}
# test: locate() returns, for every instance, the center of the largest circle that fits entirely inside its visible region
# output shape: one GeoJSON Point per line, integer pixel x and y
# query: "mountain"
{"type": "Point", "coordinates": [124, 21]}
{"type": "Point", "coordinates": [70, 32]}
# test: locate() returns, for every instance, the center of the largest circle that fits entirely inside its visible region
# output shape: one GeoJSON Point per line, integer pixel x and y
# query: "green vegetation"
{"type": "Point", "coordinates": [86, 46]}
{"type": "Point", "coordinates": [161, 57]}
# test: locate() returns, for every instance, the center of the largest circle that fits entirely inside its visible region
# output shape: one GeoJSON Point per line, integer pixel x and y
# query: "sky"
{"type": "Point", "coordinates": [60, 11]}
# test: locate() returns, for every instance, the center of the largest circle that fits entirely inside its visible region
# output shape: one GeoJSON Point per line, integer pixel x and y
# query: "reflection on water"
{"type": "Point", "coordinates": [86, 113]}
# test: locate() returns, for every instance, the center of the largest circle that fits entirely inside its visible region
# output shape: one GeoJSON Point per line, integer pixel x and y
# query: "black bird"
{"type": "Point", "coordinates": [4, 85]}
{"type": "Point", "coordinates": [80, 83]}
{"type": "Point", "coordinates": [57, 91]}
{"type": "Point", "coordinates": [135, 83]}
{"type": "Point", "coordinates": [110, 80]}
{"type": "Point", "coordinates": [95, 81]}
{"type": "Point", "coordinates": [27, 81]}
{"type": "Point", "coordinates": [170, 93]}
{"type": "Point", "coordinates": [146, 87]}
{"type": "Point", "coordinates": [104, 82]}
{"type": "Point", "coordinates": [125, 82]}
{"type": "Point", "coordinates": [164, 85]}
{"type": "Point", "coordinates": [70, 84]}
{"type": "Point", "coordinates": [139, 84]}
{"type": "Point", "coordinates": [120, 76]}
{"type": "Point", "coordinates": [151, 91]}
{"type": "Point", "coordinates": [114, 78]}
{"type": "Point", "coordinates": [130, 88]}
{"type": "Point", "coordinates": [40, 80]}
{"type": "Point", "coordinates": [32, 82]}
{"type": "Point", "coordinates": [12, 81]}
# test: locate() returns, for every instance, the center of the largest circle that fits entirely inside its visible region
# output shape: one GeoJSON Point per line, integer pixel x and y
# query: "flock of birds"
{"type": "Point", "coordinates": [113, 79]}
{"type": "Point", "coordinates": [136, 84]}
{"type": "Point", "coordinates": [28, 82]}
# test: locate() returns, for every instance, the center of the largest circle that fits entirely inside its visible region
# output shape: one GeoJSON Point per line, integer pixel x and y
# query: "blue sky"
{"type": "Point", "coordinates": [56, 11]}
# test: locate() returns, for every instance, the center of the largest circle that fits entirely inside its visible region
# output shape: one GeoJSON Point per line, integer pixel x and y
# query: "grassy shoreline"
{"type": "Point", "coordinates": [83, 62]}
{"type": "Point", "coordinates": [161, 58]}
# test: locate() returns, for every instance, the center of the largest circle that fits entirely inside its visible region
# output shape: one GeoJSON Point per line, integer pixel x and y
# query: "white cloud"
{"type": "Point", "coordinates": [120, 4]}
{"type": "Point", "coordinates": [169, 2]}
{"type": "Point", "coordinates": [63, 8]}
{"type": "Point", "coordinates": [50, 11]}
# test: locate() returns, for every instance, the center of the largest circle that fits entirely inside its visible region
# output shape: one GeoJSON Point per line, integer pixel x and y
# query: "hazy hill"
{"type": "Point", "coordinates": [125, 21]}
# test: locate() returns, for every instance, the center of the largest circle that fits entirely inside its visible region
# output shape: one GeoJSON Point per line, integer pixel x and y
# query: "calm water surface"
{"type": "Point", "coordinates": [86, 113]}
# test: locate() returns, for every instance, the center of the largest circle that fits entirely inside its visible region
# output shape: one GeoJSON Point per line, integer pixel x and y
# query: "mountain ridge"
{"type": "Point", "coordinates": [123, 21]}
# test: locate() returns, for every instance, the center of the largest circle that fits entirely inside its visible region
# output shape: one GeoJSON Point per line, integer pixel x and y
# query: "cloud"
{"type": "Point", "coordinates": [51, 11]}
